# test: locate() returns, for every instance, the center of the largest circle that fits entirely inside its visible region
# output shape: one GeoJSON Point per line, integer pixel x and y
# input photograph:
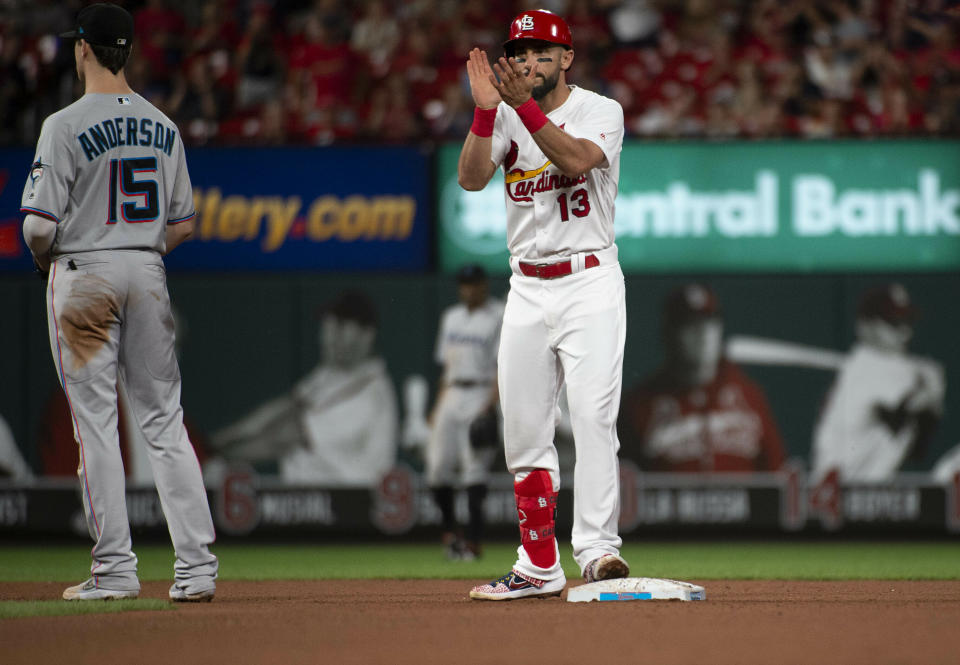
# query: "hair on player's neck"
{"type": "Point", "coordinates": [96, 77]}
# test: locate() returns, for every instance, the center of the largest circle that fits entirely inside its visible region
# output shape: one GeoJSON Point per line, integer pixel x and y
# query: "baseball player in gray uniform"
{"type": "Point", "coordinates": [467, 346]}
{"type": "Point", "coordinates": [565, 317]}
{"type": "Point", "coordinates": [107, 196]}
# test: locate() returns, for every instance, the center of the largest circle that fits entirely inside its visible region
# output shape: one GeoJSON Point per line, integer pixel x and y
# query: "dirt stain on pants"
{"type": "Point", "coordinates": [86, 320]}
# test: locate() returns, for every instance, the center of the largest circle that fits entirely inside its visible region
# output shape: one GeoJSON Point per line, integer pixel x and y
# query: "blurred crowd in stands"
{"type": "Point", "coordinates": [317, 72]}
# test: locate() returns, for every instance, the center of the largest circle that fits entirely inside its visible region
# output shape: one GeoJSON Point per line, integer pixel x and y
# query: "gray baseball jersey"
{"type": "Point", "coordinates": [103, 206]}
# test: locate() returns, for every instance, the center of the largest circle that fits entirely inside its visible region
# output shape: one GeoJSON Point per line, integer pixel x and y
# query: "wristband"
{"type": "Point", "coordinates": [483, 121]}
{"type": "Point", "coordinates": [531, 116]}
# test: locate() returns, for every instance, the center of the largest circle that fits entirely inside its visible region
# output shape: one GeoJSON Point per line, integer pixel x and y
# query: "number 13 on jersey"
{"type": "Point", "coordinates": [129, 176]}
{"type": "Point", "coordinates": [580, 207]}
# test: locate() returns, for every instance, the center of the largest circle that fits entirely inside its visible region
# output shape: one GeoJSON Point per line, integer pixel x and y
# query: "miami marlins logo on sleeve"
{"type": "Point", "coordinates": [36, 172]}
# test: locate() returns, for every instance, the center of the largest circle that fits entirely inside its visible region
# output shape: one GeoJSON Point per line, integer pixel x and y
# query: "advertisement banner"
{"type": "Point", "coordinates": [246, 506]}
{"type": "Point", "coordinates": [750, 207]}
{"type": "Point", "coordinates": [281, 209]}
{"type": "Point", "coordinates": [14, 171]}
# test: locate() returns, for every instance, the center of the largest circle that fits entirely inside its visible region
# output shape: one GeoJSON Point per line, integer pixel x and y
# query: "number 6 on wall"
{"type": "Point", "coordinates": [123, 172]}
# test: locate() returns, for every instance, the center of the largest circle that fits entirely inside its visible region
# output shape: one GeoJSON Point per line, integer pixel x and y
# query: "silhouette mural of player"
{"type": "Point", "coordinates": [885, 403]}
{"type": "Point", "coordinates": [698, 411]}
{"type": "Point", "coordinates": [338, 426]}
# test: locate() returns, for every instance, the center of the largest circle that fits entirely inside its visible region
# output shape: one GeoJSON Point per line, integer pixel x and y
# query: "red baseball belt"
{"type": "Point", "coordinates": [554, 270]}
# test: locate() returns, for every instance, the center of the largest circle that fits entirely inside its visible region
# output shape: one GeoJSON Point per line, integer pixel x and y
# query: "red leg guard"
{"type": "Point", "coordinates": [537, 509]}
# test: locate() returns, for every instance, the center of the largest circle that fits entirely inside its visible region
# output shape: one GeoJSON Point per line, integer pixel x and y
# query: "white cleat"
{"type": "Point", "coordinates": [91, 590]}
{"type": "Point", "coordinates": [606, 567]}
{"type": "Point", "coordinates": [193, 595]}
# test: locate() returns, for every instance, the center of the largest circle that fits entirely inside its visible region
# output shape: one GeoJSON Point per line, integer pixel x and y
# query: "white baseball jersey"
{"type": "Point", "coordinates": [468, 340]}
{"type": "Point", "coordinates": [850, 437]}
{"type": "Point", "coordinates": [551, 215]}
{"type": "Point", "coordinates": [349, 418]}
{"type": "Point", "coordinates": [570, 329]}
{"type": "Point", "coordinates": [124, 167]}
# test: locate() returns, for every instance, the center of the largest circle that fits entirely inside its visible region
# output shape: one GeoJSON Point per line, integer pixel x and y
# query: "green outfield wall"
{"type": "Point", "coordinates": [248, 338]}
{"type": "Point", "coordinates": [789, 236]}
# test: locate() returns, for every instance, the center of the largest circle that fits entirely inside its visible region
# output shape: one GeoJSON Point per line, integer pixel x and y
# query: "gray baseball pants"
{"type": "Point", "coordinates": [109, 317]}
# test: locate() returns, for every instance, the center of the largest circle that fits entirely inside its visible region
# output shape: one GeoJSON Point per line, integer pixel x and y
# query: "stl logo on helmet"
{"type": "Point", "coordinates": [526, 23]}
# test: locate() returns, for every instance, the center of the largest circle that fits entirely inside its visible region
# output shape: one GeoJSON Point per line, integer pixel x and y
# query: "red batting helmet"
{"type": "Point", "coordinates": [539, 24]}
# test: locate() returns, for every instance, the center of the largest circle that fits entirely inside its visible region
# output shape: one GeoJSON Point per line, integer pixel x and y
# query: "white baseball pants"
{"type": "Point", "coordinates": [569, 329]}
{"type": "Point", "coordinates": [450, 457]}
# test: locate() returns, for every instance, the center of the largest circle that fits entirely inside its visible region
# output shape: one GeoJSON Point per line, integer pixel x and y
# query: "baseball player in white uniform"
{"type": "Point", "coordinates": [885, 403]}
{"type": "Point", "coordinates": [467, 345]}
{"type": "Point", "coordinates": [337, 427]}
{"type": "Point", "coordinates": [565, 317]}
{"type": "Point", "coordinates": [107, 196]}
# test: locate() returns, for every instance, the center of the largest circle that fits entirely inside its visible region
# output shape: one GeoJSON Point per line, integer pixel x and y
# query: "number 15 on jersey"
{"type": "Point", "coordinates": [130, 176]}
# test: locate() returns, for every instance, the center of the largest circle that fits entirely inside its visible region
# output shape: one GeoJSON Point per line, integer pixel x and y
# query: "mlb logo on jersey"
{"type": "Point", "coordinates": [123, 100]}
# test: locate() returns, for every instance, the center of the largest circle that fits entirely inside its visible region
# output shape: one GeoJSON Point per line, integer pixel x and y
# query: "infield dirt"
{"type": "Point", "coordinates": [425, 622]}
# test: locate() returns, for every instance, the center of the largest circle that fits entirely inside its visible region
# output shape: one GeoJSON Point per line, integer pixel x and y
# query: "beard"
{"type": "Point", "coordinates": [543, 89]}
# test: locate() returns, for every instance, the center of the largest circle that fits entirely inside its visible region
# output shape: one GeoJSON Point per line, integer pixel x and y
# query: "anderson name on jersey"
{"type": "Point", "coordinates": [549, 214]}
{"type": "Point", "coordinates": [126, 167]}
